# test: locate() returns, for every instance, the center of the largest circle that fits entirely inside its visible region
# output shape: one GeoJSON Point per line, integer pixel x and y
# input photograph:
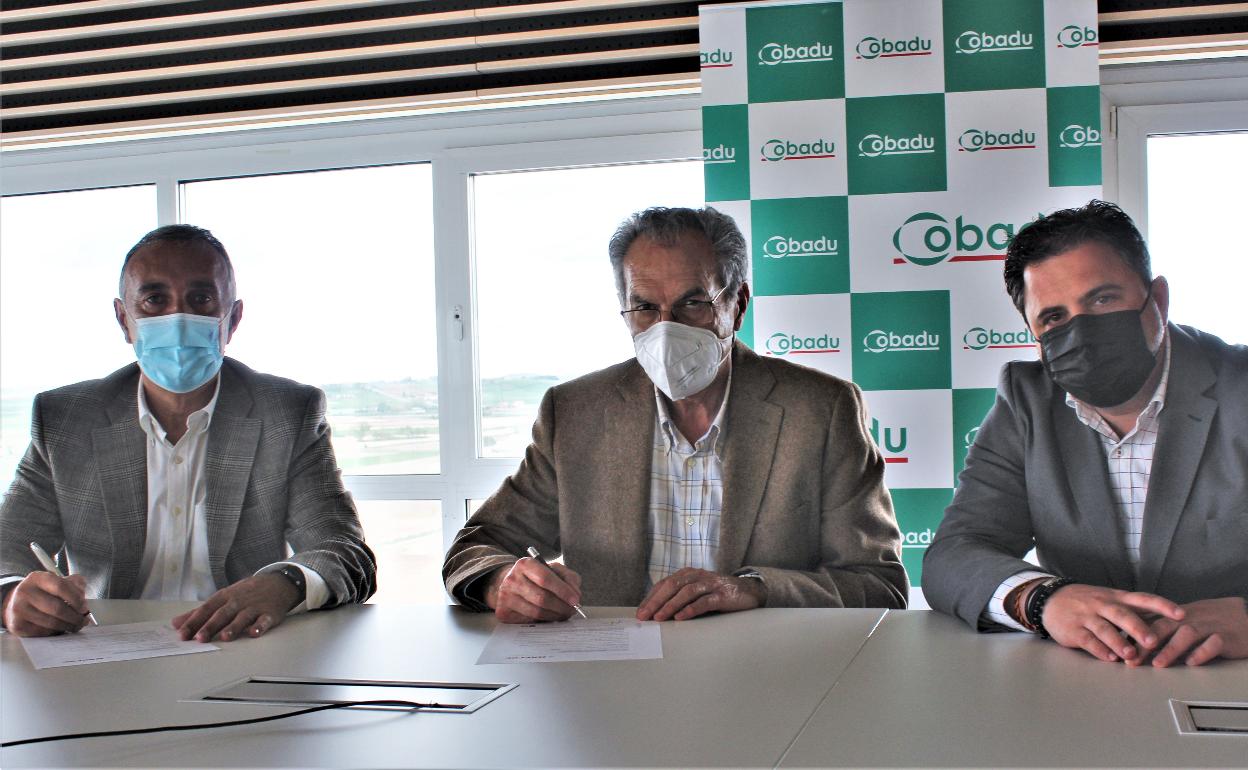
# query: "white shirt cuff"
{"type": "Point", "coordinates": [995, 611]}
{"type": "Point", "coordinates": [317, 592]}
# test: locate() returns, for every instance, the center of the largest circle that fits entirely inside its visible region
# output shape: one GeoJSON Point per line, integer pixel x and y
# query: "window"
{"type": "Point", "coordinates": [62, 261]}
{"type": "Point", "coordinates": [340, 268]}
{"type": "Point", "coordinates": [1195, 202]}
{"type": "Point", "coordinates": [546, 302]}
{"type": "Point", "coordinates": [406, 538]}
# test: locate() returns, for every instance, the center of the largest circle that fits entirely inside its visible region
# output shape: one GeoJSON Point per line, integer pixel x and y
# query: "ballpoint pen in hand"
{"type": "Point", "coordinates": [50, 566]}
{"type": "Point", "coordinates": [537, 557]}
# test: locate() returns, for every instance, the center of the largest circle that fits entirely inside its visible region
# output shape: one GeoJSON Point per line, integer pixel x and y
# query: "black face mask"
{"type": "Point", "coordinates": [1102, 360]}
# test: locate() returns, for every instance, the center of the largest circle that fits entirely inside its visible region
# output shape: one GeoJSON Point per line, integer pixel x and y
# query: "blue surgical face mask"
{"type": "Point", "coordinates": [180, 351]}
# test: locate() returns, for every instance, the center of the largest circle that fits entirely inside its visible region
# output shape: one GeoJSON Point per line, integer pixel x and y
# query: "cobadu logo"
{"type": "Point", "coordinates": [894, 442]}
{"type": "Point", "coordinates": [972, 41]}
{"type": "Point", "coordinates": [969, 438]}
{"type": "Point", "coordinates": [719, 154]}
{"type": "Point", "coordinates": [771, 54]}
{"type": "Point", "coordinates": [1075, 36]}
{"type": "Point", "coordinates": [877, 145]}
{"type": "Point", "coordinates": [926, 239]}
{"type": "Point", "coordinates": [884, 48]}
{"type": "Point", "coordinates": [917, 538]}
{"type": "Point", "coordinates": [717, 59]}
{"type": "Point", "coordinates": [882, 341]}
{"type": "Point", "coordinates": [1076, 136]}
{"type": "Point", "coordinates": [784, 343]}
{"type": "Point", "coordinates": [782, 246]}
{"type": "Point", "coordinates": [979, 338]}
{"type": "Point", "coordinates": [974, 140]}
{"type": "Point", "coordinates": [784, 149]}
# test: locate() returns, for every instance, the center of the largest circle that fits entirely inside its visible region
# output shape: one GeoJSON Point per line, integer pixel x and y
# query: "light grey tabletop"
{"type": "Point", "coordinates": [926, 691]}
{"type": "Point", "coordinates": [731, 690]}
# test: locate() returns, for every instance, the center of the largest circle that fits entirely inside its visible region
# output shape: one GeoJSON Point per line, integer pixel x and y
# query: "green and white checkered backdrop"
{"type": "Point", "coordinates": [878, 155]}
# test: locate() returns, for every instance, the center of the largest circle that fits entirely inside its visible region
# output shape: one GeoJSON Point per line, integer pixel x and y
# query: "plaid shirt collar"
{"type": "Point", "coordinates": [1093, 419]}
{"type": "Point", "coordinates": [714, 435]}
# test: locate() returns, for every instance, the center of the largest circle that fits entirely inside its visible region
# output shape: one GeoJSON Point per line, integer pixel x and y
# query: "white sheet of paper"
{"type": "Point", "coordinates": [102, 644]}
{"type": "Point", "coordinates": [593, 639]}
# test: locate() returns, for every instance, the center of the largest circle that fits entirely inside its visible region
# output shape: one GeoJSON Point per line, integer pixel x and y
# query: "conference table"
{"type": "Point", "coordinates": [767, 688]}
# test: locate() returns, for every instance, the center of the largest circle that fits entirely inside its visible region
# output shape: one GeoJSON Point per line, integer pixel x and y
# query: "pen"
{"type": "Point", "coordinates": [50, 566]}
{"type": "Point", "coordinates": [537, 557]}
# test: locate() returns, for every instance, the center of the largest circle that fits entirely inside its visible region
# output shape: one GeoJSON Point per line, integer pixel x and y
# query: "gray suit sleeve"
{"type": "Point", "coordinates": [322, 526]}
{"type": "Point", "coordinates": [987, 528]}
{"type": "Point", "coordinates": [29, 511]}
{"type": "Point", "coordinates": [861, 565]}
{"type": "Point", "coordinates": [523, 512]}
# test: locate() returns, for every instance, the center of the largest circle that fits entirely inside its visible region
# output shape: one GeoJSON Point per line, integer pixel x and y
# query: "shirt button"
{"type": "Point", "coordinates": [177, 509]}
{"type": "Point", "coordinates": [689, 522]}
{"type": "Point", "coordinates": [177, 459]}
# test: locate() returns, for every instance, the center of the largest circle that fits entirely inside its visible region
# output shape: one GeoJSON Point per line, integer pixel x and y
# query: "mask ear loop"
{"type": "Point", "coordinates": [1161, 326]}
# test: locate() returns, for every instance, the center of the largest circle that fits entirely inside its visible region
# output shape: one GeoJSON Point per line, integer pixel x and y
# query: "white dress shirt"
{"type": "Point", "coordinates": [1130, 460]}
{"type": "Point", "coordinates": [175, 555]}
{"type": "Point", "coordinates": [686, 494]}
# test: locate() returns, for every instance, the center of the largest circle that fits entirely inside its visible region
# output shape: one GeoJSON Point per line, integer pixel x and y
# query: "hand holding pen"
{"type": "Point", "coordinates": [530, 590]}
{"type": "Point", "coordinates": [46, 603]}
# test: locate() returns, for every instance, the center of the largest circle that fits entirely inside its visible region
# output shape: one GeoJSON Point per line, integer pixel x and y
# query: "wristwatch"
{"type": "Point", "coordinates": [295, 576]}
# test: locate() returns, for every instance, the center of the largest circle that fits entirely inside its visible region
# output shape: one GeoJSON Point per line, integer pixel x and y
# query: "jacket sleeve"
{"type": "Point", "coordinates": [987, 528]}
{"type": "Point", "coordinates": [861, 544]}
{"type": "Point", "coordinates": [29, 512]}
{"type": "Point", "coordinates": [523, 512]}
{"type": "Point", "coordinates": [322, 526]}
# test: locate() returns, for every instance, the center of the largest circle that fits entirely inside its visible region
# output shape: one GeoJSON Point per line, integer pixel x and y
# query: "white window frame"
{"type": "Point", "coordinates": [457, 146]}
{"type": "Point", "coordinates": [1143, 101]}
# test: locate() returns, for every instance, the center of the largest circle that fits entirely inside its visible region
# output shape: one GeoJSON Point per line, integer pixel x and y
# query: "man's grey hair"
{"type": "Point", "coordinates": [666, 226]}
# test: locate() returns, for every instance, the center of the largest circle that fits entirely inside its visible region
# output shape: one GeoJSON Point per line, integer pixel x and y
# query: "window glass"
{"type": "Point", "coordinates": [335, 269]}
{"type": "Point", "coordinates": [60, 262]}
{"type": "Point", "coordinates": [1195, 205]}
{"type": "Point", "coordinates": [546, 304]}
{"type": "Point", "coordinates": [406, 538]}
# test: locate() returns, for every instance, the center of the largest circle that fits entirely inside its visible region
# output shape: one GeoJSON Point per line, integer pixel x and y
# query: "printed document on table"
{"type": "Point", "coordinates": [102, 644]}
{"type": "Point", "coordinates": [593, 639]}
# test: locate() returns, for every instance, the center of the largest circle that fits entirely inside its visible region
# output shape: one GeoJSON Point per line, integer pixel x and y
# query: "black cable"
{"type": "Point", "coordinates": [232, 723]}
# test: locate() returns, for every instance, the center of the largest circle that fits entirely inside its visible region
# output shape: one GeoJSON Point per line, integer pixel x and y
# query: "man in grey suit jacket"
{"type": "Point", "coordinates": [697, 477]}
{"type": "Point", "coordinates": [184, 476]}
{"type": "Point", "coordinates": [1120, 457]}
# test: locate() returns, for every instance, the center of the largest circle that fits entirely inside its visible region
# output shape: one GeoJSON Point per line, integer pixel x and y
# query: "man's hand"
{"type": "Point", "coordinates": [1094, 619]}
{"type": "Point", "coordinates": [692, 592]}
{"type": "Point", "coordinates": [249, 607]}
{"type": "Point", "coordinates": [529, 591]}
{"type": "Point", "coordinates": [44, 604]}
{"type": "Point", "coordinates": [1210, 628]}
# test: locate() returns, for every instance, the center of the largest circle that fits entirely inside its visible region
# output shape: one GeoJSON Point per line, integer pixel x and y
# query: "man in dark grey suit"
{"type": "Point", "coordinates": [184, 476]}
{"type": "Point", "coordinates": [1120, 457]}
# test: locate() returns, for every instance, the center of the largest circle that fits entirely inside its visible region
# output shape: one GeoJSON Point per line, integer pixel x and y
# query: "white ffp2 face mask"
{"type": "Point", "coordinates": [680, 360]}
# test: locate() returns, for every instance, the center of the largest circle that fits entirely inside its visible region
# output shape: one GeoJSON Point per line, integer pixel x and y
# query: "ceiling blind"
{"type": "Point", "coordinates": [101, 68]}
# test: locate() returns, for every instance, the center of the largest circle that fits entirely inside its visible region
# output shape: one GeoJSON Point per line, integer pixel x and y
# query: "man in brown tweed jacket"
{"type": "Point", "coordinates": [697, 477]}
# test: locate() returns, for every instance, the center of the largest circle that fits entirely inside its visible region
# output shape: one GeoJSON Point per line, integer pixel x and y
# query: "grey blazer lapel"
{"type": "Point", "coordinates": [232, 441]}
{"type": "Point", "coordinates": [1088, 474]}
{"type": "Point", "coordinates": [120, 450]}
{"type": "Point", "coordinates": [1183, 429]}
{"type": "Point", "coordinates": [751, 433]}
{"type": "Point", "coordinates": [629, 424]}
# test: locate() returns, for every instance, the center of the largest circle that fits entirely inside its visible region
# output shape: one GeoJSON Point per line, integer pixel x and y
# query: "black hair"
{"type": "Point", "coordinates": [1064, 230]}
{"type": "Point", "coordinates": [181, 234]}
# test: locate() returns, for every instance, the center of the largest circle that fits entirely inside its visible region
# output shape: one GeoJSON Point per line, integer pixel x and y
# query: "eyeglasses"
{"type": "Point", "coordinates": [690, 312]}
